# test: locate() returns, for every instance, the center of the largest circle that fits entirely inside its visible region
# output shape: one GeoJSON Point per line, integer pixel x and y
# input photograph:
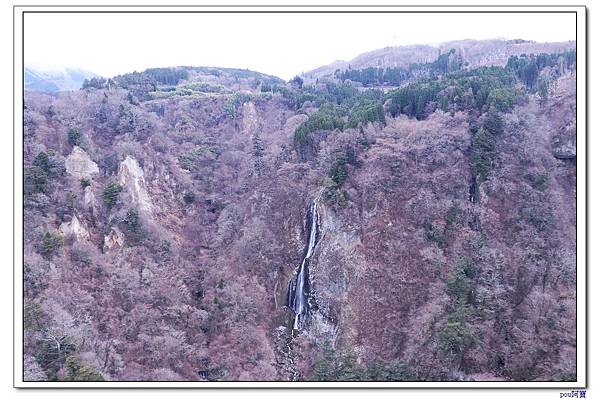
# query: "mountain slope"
{"type": "Point", "coordinates": [165, 219]}
{"type": "Point", "coordinates": [475, 52]}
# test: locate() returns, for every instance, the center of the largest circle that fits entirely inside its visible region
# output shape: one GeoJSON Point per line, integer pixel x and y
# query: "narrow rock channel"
{"type": "Point", "coordinates": [299, 288]}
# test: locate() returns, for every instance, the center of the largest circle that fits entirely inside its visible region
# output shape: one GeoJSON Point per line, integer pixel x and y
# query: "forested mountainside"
{"type": "Point", "coordinates": [475, 53]}
{"type": "Point", "coordinates": [217, 224]}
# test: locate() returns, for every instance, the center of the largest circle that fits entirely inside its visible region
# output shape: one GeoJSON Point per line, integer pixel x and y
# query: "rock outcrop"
{"type": "Point", "coordinates": [80, 165]}
{"type": "Point", "coordinates": [115, 239]}
{"type": "Point", "coordinates": [131, 177]}
{"type": "Point", "coordinates": [89, 199]}
{"type": "Point", "coordinates": [566, 150]}
{"type": "Point", "coordinates": [75, 229]}
{"type": "Point", "coordinates": [249, 118]}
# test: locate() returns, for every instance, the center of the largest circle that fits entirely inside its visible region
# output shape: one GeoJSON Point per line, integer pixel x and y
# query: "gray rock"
{"type": "Point", "coordinates": [567, 150]}
{"type": "Point", "coordinates": [114, 239]}
{"type": "Point", "coordinates": [249, 118]}
{"type": "Point", "coordinates": [75, 229]}
{"type": "Point", "coordinates": [131, 176]}
{"type": "Point", "coordinates": [80, 165]}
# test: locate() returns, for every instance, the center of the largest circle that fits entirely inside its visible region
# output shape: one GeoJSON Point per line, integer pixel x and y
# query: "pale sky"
{"type": "Point", "coordinates": [277, 44]}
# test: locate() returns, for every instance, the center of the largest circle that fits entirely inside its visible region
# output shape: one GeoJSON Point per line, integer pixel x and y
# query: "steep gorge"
{"type": "Point", "coordinates": [180, 239]}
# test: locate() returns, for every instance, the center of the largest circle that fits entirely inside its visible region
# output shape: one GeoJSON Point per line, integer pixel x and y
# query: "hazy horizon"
{"type": "Point", "coordinates": [58, 68]}
{"type": "Point", "coordinates": [134, 43]}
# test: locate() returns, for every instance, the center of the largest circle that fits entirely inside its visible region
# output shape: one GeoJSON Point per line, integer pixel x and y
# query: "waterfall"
{"type": "Point", "coordinates": [298, 289]}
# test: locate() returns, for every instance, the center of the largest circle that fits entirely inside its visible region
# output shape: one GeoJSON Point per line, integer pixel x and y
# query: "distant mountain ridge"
{"type": "Point", "coordinates": [56, 80]}
{"type": "Point", "coordinates": [476, 53]}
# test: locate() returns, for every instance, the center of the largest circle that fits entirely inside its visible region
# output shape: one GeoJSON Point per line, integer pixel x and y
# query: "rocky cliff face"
{"type": "Point", "coordinates": [172, 261]}
{"type": "Point", "coordinates": [131, 177]}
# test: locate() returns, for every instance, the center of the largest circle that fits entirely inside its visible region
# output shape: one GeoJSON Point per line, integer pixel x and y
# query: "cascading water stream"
{"type": "Point", "coordinates": [298, 289]}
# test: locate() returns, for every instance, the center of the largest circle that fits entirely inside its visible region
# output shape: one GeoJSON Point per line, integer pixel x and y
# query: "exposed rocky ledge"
{"type": "Point", "coordinates": [566, 150]}
{"type": "Point", "coordinates": [131, 176]}
{"type": "Point", "coordinates": [114, 239]}
{"type": "Point", "coordinates": [79, 164]}
{"type": "Point", "coordinates": [75, 229]}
